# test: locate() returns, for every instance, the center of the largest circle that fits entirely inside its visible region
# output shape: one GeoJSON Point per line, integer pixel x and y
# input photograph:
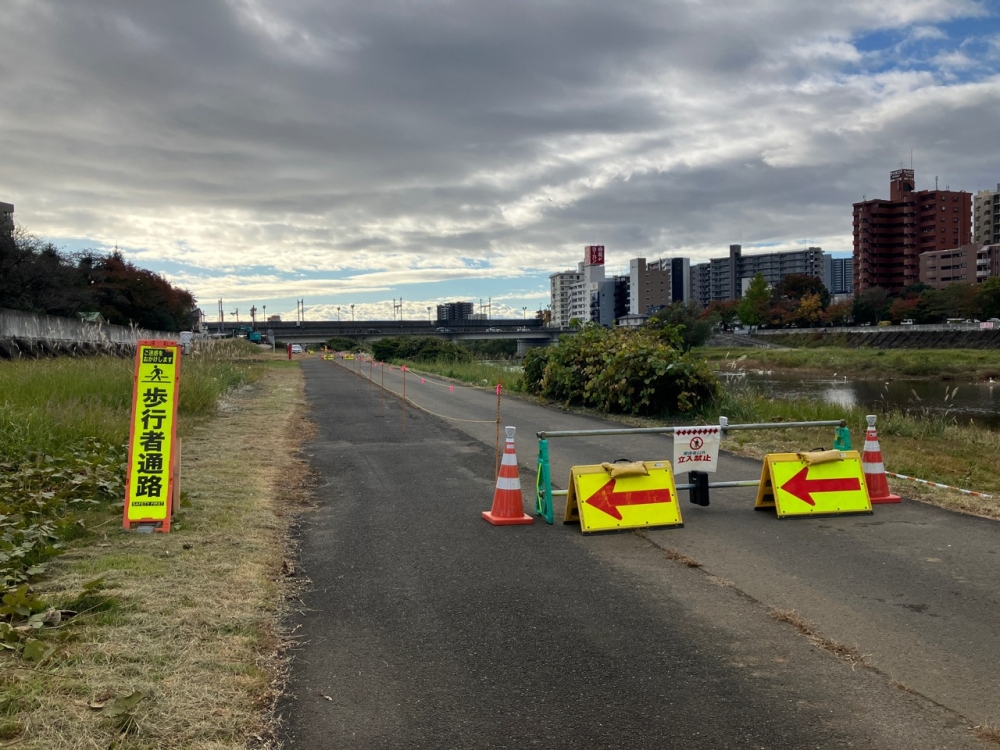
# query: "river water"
{"type": "Point", "coordinates": [963, 401]}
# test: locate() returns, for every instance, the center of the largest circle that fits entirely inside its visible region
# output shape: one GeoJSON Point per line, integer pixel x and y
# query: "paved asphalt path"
{"type": "Point", "coordinates": [423, 626]}
{"type": "Point", "coordinates": [914, 587]}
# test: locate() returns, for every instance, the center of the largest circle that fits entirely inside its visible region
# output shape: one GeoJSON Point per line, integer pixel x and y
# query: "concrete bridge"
{"type": "Point", "coordinates": [528, 333]}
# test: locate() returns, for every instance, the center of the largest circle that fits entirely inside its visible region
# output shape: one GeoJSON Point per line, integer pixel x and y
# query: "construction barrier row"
{"type": "Point", "coordinates": [643, 494]}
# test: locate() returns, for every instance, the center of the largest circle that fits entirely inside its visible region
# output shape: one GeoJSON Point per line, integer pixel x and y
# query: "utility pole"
{"type": "Point", "coordinates": [399, 307]}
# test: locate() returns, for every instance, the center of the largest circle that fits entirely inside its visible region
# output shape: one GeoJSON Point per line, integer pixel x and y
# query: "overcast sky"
{"type": "Point", "coordinates": [264, 151]}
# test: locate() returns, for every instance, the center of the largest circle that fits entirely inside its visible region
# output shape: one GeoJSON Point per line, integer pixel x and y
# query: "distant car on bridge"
{"type": "Point", "coordinates": [444, 330]}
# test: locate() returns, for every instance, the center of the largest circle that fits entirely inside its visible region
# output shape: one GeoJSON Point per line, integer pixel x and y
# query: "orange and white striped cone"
{"type": "Point", "coordinates": [508, 502]}
{"type": "Point", "coordinates": [874, 469]}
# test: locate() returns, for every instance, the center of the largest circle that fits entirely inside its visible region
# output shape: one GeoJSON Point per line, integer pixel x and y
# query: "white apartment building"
{"type": "Point", "coordinates": [583, 294]}
{"type": "Point", "coordinates": [561, 287]}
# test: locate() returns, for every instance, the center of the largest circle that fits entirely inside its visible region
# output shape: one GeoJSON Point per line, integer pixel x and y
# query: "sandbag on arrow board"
{"type": "Point", "coordinates": [601, 502]}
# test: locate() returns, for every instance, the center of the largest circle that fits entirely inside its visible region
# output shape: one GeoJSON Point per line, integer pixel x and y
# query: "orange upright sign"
{"type": "Point", "coordinates": [151, 450]}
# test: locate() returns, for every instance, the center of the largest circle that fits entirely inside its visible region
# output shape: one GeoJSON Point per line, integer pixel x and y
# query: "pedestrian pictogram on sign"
{"type": "Point", "coordinates": [601, 502]}
{"type": "Point", "coordinates": [800, 484]}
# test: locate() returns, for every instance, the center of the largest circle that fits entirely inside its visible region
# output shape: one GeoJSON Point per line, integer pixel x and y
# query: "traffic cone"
{"type": "Point", "coordinates": [874, 469]}
{"type": "Point", "coordinates": [508, 503]}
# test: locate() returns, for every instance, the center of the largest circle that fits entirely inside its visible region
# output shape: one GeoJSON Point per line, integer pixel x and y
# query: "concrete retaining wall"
{"type": "Point", "coordinates": [29, 335]}
{"type": "Point", "coordinates": [894, 337]}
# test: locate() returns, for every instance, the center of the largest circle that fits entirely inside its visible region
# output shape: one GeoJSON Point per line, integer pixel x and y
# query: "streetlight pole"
{"type": "Point", "coordinates": [524, 313]}
{"type": "Point", "coordinates": [428, 315]}
{"type": "Point", "coordinates": [338, 313]}
{"type": "Point", "coordinates": [352, 314]}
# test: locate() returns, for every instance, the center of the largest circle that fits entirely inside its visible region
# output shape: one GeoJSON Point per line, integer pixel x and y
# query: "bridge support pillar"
{"type": "Point", "coordinates": [524, 345]}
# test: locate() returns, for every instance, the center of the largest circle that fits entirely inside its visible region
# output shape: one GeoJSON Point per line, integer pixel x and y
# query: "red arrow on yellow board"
{"type": "Point", "coordinates": [802, 487]}
{"type": "Point", "coordinates": [608, 501]}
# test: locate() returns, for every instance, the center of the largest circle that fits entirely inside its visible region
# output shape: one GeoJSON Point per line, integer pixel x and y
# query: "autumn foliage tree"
{"type": "Point", "coordinates": [36, 277]}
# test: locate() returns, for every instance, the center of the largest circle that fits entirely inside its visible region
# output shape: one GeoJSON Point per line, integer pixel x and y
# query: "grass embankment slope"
{"type": "Point", "coordinates": [924, 445]}
{"type": "Point", "coordinates": [177, 645]}
{"type": "Point", "coordinates": [938, 364]}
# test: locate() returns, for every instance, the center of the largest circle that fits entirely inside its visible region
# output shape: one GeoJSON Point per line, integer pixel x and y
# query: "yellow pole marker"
{"type": "Point", "coordinates": [795, 484]}
{"type": "Point", "coordinates": [153, 433]}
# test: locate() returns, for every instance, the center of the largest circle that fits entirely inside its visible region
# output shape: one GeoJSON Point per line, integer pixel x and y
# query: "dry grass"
{"type": "Point", "coordinates": [849, 654]}
{"type": "Point", "coordinates": [987, 733]}
{"type": "Point", "coordinates": [672, 554]}
{"type": "Point", "coordinates": [193, 616]}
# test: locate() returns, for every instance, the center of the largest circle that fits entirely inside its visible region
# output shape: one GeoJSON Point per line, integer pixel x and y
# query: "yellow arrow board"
{"type": "Point", "coordinates": [796, 487]}
{"type": "Point", "coordinates": [603, 503]}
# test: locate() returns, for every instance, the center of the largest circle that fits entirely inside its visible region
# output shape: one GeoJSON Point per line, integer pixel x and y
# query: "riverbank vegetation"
{"type": "Point", "coordinates": [418, 349]}
{"type": "Point", "coordinates": [106, 638]}
{"type": "Point", "coordinates": [944, 364]}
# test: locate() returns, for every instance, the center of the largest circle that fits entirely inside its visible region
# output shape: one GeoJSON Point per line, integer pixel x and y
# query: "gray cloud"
{"type": "Point", "coordinates": [473, 139]}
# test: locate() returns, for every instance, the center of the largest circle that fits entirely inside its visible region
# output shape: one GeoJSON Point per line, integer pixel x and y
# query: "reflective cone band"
{"type": "Point", "coordinates": [508, 503]}
{"type": "Point", "coordinates": [874, 469]}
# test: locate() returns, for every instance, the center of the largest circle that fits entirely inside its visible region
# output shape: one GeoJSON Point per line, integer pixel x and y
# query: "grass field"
{"type": "Point", "coordinates": [136, 641]}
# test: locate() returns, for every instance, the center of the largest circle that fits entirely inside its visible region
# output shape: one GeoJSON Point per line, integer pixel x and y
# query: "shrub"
{"type": "Point", "coordinates": [534, 364]}
{"type": "Point", "coordinates": [640, 372]}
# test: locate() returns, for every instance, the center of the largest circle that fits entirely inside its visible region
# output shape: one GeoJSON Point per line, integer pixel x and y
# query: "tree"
{"type": "Point", "coordinates": [837, 314]}
{"type": "Point", "coordinates": [809, 311]}
{"type": "Point", "coordinates": [904, 309]}
{"type": "Point", "coordinates": [754, 307]}
{"type": "Point", "coordinates": [871, 305]}
{"type": "Point", "coordinates": [725, 312]}
{"type": "Point", "coordinates": [988, 298]}
{"type": "Point", "coordinates": [695, 329]}
{"type": "Point", "coordinates": [795, 286]}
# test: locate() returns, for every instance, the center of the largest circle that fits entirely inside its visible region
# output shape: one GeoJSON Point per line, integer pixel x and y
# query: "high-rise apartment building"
{"type": "Point", "coordinates": [649, 286]}
{"type": "Point", "coordinates": [701, 284]}
{"type": "Point", "coordinates": [776, 266]}
{"type": "Point", "coordinates": [452, 312]}
{"type": "Point", "coordinates": [986, 217]}
{"type": "Point", "coordinates": [560, 291]}
{"type": "Point", "coordinates": [839, 274]}
{"type": "Point", "coordinates": [890, 235]}
{"type": "Point", "coordinates": [583, 294]}
{"type": "Point", "coordinates": [680, 279]}
{"type": "Point", "coordinates": [968, 264]}
{"type": "Point", "coordinates": [723, 279]}
{"type": "Point", "coordinates": [6, 218]}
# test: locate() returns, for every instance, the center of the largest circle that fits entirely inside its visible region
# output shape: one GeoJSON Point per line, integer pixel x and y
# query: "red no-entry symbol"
{"type": "Point", "coordinates": [696, 443]}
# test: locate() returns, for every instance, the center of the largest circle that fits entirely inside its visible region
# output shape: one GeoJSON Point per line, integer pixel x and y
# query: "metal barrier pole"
{"type": "Point", "coordinates": [544, 434]}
